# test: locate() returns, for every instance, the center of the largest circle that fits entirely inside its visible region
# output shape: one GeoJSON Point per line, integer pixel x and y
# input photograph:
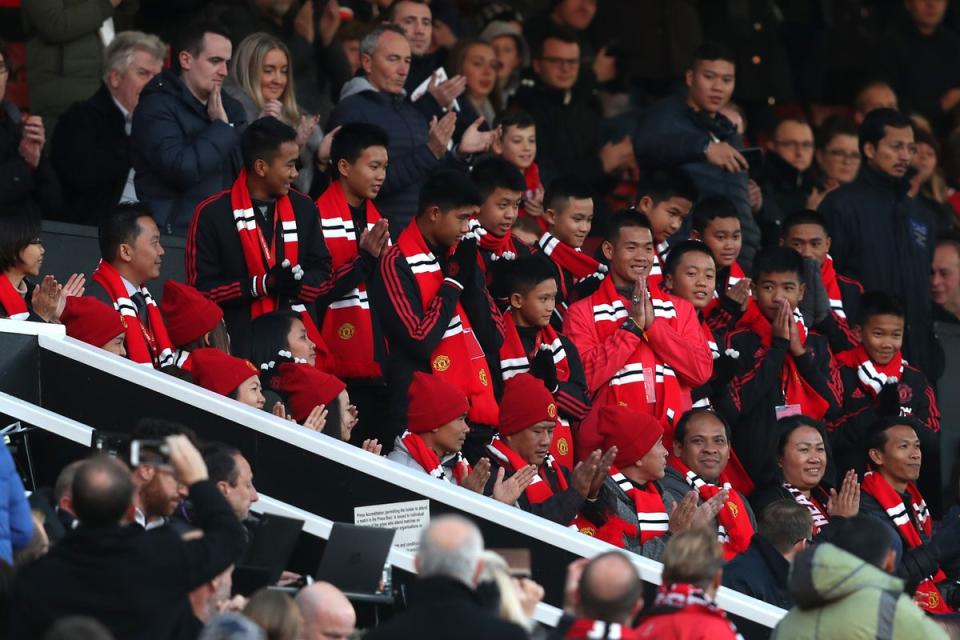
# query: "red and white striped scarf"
{"type": "Point", "coordinates": [686, 597]}
{"type": "Point", "coordinates": [872, 376]}
{"type": "Point", "coordinates": [574, 261]}
{"type": "Point", "coordinates": [500, 248]}
{"type": "Point", "coordinates": [13, 303]}
{"type": "Point", "coordinates": [734, 275]}
{"type": "Point", "coordinates": [817, 512]}
{"type": "Point", "coordinates": [428, 459]}
{"type": "Point", "coordinates": [537, 491]}
{"type": "Point", "coordinates": [588, 629]}
{"type": "Point", "coordinates": [347, 326]}
{"type": "Point", "coordinates": [927, 596]}
{"type": "Point", "coordinates": [652, 518]}
{"type": "Point", "coordinates": [148, 345]}
{"type": "Point", "coordinates": [655, 279]}
{"type": "Point", "coordinates": [829, 276]}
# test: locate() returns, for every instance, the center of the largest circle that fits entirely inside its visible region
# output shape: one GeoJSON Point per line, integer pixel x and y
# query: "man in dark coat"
{"type": "Point", "coordinates": [787, 182]}
{"type": "Point", "coordinates": [443, 600]}
{"type": "Point", "coordinates": [186, 132]}
{"type": "Point", "coordinates": [91, 571]}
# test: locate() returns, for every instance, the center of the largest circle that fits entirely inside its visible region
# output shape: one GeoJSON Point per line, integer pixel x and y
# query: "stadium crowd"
{"type": "Point", "coordinates": [681, 275]}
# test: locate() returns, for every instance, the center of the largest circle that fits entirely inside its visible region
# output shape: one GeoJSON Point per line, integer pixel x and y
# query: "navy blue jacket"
{"type": "Point", "coordinates": [671, 134]}
{"type": "Point", "coordinates": [181, 156]}
{"type": "Point", "coordinates": [760, 572]}
{"type": "Point", "coordinates": [884, 240]}
{"type": "Point", "coordinates": [16, 523]}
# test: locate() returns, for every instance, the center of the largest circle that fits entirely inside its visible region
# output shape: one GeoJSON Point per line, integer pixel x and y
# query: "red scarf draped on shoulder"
{"type": "Point", "coordinates": [260, 258]}
{"type": "Point", "coordinates": [796, 390]}
{"type": "Point", "coordinates": [459, 357]}
{"type": "Point", "coordinates": [500, 248]}
{"type": "Point", "coordinates": [429, 460]}
{"type": "Point", "coordinates": [537, 491]}
{"type": "Point", "coordinates": [532, 177]}
{"type": "Point", "coordinates": [347, 326]}
{"type": "Point", "coordinates": [574, 261]}
{"type": "Point", "coordinates": [927, 596]}
{"type": "Point", "coordinates": [145, 344]}
{"type": "Point", "coordinates": [651, 522]}
{"type": "Point", "coordinates": [735, 529]}
{"type": "Point", "coordinates": [13, 303]}
{"type": "Point", "coordinates": [829, 276]}
{"type": "Point", "coordinates": [734, 275]}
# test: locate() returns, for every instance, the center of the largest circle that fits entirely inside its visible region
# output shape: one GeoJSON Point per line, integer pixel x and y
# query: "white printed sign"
{"type": "Point", "coordinates": [408, 519]}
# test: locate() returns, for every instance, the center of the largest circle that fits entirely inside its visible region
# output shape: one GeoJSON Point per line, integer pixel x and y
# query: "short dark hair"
{"type": "Point", "coordinates": [663, 184]}
{"type": "Point", "coordinates": [102, 492]}
{"type": "Point", "coordinates": [526, 273]}
{"type": "Point", "coordinates": [353, 138]}
{"type": "Point", "coordinates": [787, 426]}
{"type": "Point", "coordinates": [784, 523]}
{"type": "Point", "coordinates": [559, 192]}
{"type": "Point", "coordinates": [710, 50]}
{"type": "Point", "coordinates": [621, 220]}
{"type": "Point", "coordinates": [861, 536]}
{"type": "Point", "coordinates": [496, 173]}
{"type": "Point", "coordinates": [448, 189]}
{"type": "Point", "coordinates": [221, 463]}
{"type": "Point", "coordinates": [878, 303]}
{"type": "Point", "coordinates": [514, 118]}
{"type": "Point", "coordinates": [680, 430]}
{"type": "Point", "coordinates": [877, 433]}
{"type": "Point", "coordinates": [269, 335]}
{"type": "Point", "coordinates": [874, 125]}
{"type": "Point", "coordinates": [262, 139]}
{"type": "Point", "coordinates": [709, 209]}
{"type": "Point", "coordinates": [609, 609]}
{"type": "Point", "coordinates": [777, 260]}
{"type": "Point", "coordinates": [804, 216]}
{"type": "Point", "coordinates": [563, 34]}
{"type": "Point", "coordinates": [17, 232]}
{"type": "Point", "coordinates": [681, 249]}
{"type": "Point", "coordinates": [191, 36]}
{"type": "Point", "coordinates": [120, 226]}
{"type": "Point", "coordinates": [831, 128]}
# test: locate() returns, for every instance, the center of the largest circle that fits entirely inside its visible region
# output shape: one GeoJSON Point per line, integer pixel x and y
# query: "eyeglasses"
{"type": "Point", "coordinates": [566, 62]}
{"type": "Point", "coordinates": [805, 145]}
{"type": "Point", "coordinates": [898, 147]}
{"type": "Point", "coordinates": [844, 156]}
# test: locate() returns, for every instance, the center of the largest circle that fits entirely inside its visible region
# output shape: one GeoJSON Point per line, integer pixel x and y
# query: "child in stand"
{"type": "Point", "coordinates": [501, 188]}
{"type": "Point", "coordinates": [666, 198]}
{"type": "Point", "coordinates": [517, 145]}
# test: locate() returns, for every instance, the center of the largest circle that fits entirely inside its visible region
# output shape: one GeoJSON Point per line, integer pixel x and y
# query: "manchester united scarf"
{"type": "Point", "coordinates": [578, 264]}
{"type": "Point", "coordinates": [145, 344]}
{"type": "Point", "coordinates": [428, 459]}
{"type": "Point", "coordinates": [655, 279]}
{"type": "Point", "coordinates": [587, 629]}
{"type": "Point", "coordinates": [13, 303]}
{"type": "Point", "coordinates": [514, 358]}
{"type": "Point", "coordinates": [652, 519]}
{"type": "Point", "coordinates": [817, 512]}
{"type": "Point", "coordinates": [872, 376]}
{"type": "Point", "coordinates": [687, 596]}
{"type": "Point", "coordinates": [829, 276]}
{"type": "Point", "coordinates": [537, 491]}
{"type": "Point", "coordinates": [734, 275]}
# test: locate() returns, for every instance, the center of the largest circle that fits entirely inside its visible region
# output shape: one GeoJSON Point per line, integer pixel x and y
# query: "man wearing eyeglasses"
{"type": "Point", "coordinates": [881, 237]}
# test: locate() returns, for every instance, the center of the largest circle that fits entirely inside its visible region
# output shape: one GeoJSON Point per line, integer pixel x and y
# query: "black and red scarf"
{"type": "Point", "coordinates": [872, 376]}
{"type": "Point", "coordinates": [459, 357]}
{"type": "Point", "coordinates": [430, 461]}
{"type": "Point", "coordinates": [145, 344]}
{"type": "Point", "coordinates": [818, 512]}
{"type": "Point", "coordinates": [652, 520]}
{"type": "Point", "coordinates": [588, 629]}
{"type": "Point", "coordinates": [734, 529]}
{"type": "Point", "coordinates": [829, 276]}
{"type": "Point", "coordinates": [683, 596]}
{"type": "Point", "coordinates": [655, 279]}
{"type": "Point", "coordinates": [927, 595]}
{"type": "Point", "coordinates": [532, 177]}
{"type": "Point", "coordinates": [13, 303]}
{"type": "Point", "coordinates": [347, 326]}
{"type": "Point", "coordinates": [570, 260]}
{"type": "Point", "coordinates": [734, 275]}
{"type": "Point", "coordinates": [537, 491]}
{"type": "Point", "coordinates": [500, 248]}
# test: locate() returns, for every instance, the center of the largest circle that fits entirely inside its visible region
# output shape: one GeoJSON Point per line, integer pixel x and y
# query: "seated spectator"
{"type": "Point", "coordinates": [945, 281]}
{"type": "Point", "coordinates": [416, 145]}
{"type": "Point", "coordinates": [230, 471]}
{"type": "Point", "coordinates": [701, 453]}
{"type": "Point", "coordinates": [25, 172]}
{"type": "Point", "coordinates": [16, 529]}
{"type": "Point", "coordinates": [186, 131]}
{"type": "Point", "coordinates": [207, 599]}
{"type": "Point", "coordinates": [350, 34]}
{"type": "Point", "coordinates": [415, 18]}
{"type": "Point", "coordinates": [517, 144]}
{"type": "Point", "coordinates": [264, 265]}
{"type": "Point", "coordinates": [278, 335]}
{"type": "Point", "coordinates": [77, 578]}
{"type": "Point", "coordinates": [528, 416]}
{"type": "Point", "coordinates": [449, 564]}
{"type": "Point", "coordinates": [275, 613]}
{"type": "Point", "coordinates": [838, 152]}
{"type": "Point", "coordinates": [325, 611]}
{"type": "Point", "coordinates": [232, 626]}
{"type": "Point", "coordinates": [945, 293]}
{"type": "Point", "coordinates": [782, 370]}
{"type": "Point", "coordinates": [63, 496]}
{"type": "Point", "coordinates": [158, 489]}
{"type": "Point", "coordinates": [692, 573]}
{"type": "Point", "coordinates": [91, 147]}
{"type": "Point", "coordinates": [476, 61]}
{"type": "Point", "coordinates": [518, 594]}
{"type": "Point", "coordinates": [568, 215]}
{"type": "Point", "coordinates": [872, 96]}
{"type": "Point", "coordinates": [641, 347]}
{"type": "Point", "coordinates": [193, 321]}
{"type": "Point", "coordinates": [877, 382]}
{"type": "Point", "coordinates": [89, 320]}
{"type": "Point", "coordinates": [802, 456]}
{"type": "Point", "coordinates": [761, 571]}
{"type": "Point", "coordinates": [928, 185]}
{"type": "Point", "coordinates": [665, 197]}
{"type": "Point", "coordinates": [131, 256]}
{"type": "Point", "coordinates": [222, 373]}
{"type": "Point", "coordinates": [608, 597]}
{"type": "Point", "coordinates": [512, 53]}
{"type": "Point", "coordinates": [501, 188]}
{"type": "Point", "coordinates": [434, 309]}
{"type": "Point", "coordinates": [788, 181]}
{"type": "Point", "coordinates": [690, 133]}
{"type": "Point", "coordinates": [808, 233]}
{"type": "Point", "coordinates": [851, 592]}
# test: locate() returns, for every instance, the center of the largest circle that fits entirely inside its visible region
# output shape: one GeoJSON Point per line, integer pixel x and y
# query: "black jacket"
{"type": "Point", "coordinates": [215, 264]}
{"type": "Point", "coordinates": [785, 190]}
{"type": "Point", "coordinates": [562, 507]}
{"type": "Point", "coordinates": [18, 181]}
{"type": "Point", "coordinates": [882, 239]}
{"type": "Point", "coordinates": [838, 331]}
{"type": "Point", "coordinates": [180, 155]}
{"type": "Point", "coordinates": [92, 155]}
{"type": "Point", "coordinates": [133, 581]}
{"type": "Point", "coordinates": [442, 608]}
{"type": "Point", "coordinates": [760, 572]}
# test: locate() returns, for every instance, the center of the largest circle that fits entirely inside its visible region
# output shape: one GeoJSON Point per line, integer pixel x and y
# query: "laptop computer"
{"type": "Point", "coordinates": [267, 554]}
{"type": "Point", "coordinates": [354, 558]}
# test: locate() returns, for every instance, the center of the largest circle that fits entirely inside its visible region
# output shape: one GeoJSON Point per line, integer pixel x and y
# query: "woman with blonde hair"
{"type": "Point", "coordinates": [513, 598]}
{"type": "Point", "coordinates": [261, 78]}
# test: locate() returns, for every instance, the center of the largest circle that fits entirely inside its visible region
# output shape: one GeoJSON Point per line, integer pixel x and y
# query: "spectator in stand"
{"type": "Point", "coordinates": [692, 573]}
{"type": "Point", "coordinates": [350, 34]}
{"type": "Point", "coordinates": [874, 95]}
{"type": "Point", "coordinates": [761, 571]}
{"type": "Point", "coordinates": [416, 145]}
{"type": "Point", "coordinates": [476, 61]}
{"type": "Point", "coordinates": [326, 612]}
{"type": "Point", "coordinates": [945, 293]}
{"type": "Point", "coordinates": [788, 181]}
{"type": "Point", "coordinates": [208, 599]}
{"type": "Point", "coordinates": [25, 172]}
{"type": "Point", "coordinates": [193, 321]}
{"type": "Point", "coordinates": [275, 613]}
{"type": "Point", "coordinates": [881, 237]}
{"type": "Point", "coordinates": [92, 148]}
{"type": "Point", "coordinates": [158, 489]}
{"type": "Point", "coordinates": [65, 49]}
{"type": "Point", "coordinates": [186, 132]}
{"type": "Point", "coordinates": [666, 198]}
{"type": "Point", "coordinates": [851, 593]}
{"type": "Point", "coordinates": [518, 594]}
{"type": "Point", "coordinates": [512, 53]}
{"type": "Point", "coordinates": [232, 474]}
{"type": "Point", "coordinates": [928, 187]}
{"type": "Point", "coordinates": [501, 187]}
{"type": "Point", "coordinates": [607, 597]}
{"type": "Point", "coordinates": [222, 373]}
{"type": "Point", "coordinates": [90, 320]}
{"type": "Point", "coordinates": [689, 132]}
{"type": "Point", "coordinates": [802, 456]}
{"type": "Point", "coordinates": [945, 281]}
{"type": "Point", "coordinates": [889, 494]}
{"type": "Point", "coordinates": [278, 335]}
{"type": "Point", "coordinates": [517, 144]}
{"type": "Point", "coordinates": [232, 626]}
{"type": "Point", "coordinates": [448, 563]}
{"type": "Point", "coordinates": [77, 577]}
{"type": "Point", "coordinates": [415, 18]}
{"type": "Point", "coordinates": [264, 265]}
{"type": "Point", "coordinates": [838, 153]}
{"type": "Point", "coordinates": [16, 521]}
{"type": "Point", "coordinates": [570, 140]}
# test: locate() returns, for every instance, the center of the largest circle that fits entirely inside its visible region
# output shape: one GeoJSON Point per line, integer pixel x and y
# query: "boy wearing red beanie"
{"type": "Point", "coordinates": [528, 416]}
{"type": "Point", "coordinates": [235, 378]}
{"type": "Point", "coordinates": [193, 321]}
{"type": "Point", "coordinates": [96, 323]}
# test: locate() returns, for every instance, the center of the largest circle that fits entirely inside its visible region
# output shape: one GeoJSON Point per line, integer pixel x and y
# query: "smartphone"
{"type": "Point", "coordinates": [157, 452]}
{"type": "Point", "coordinates": [754, 158]}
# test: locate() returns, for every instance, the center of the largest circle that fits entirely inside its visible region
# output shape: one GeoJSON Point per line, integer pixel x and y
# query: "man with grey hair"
{"type": "Point", "coordinates": [91, 145]}
{"type": "Point", "coordinates": [443, 599]}
{"type": "Point", "coordinates": [326, 613]}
